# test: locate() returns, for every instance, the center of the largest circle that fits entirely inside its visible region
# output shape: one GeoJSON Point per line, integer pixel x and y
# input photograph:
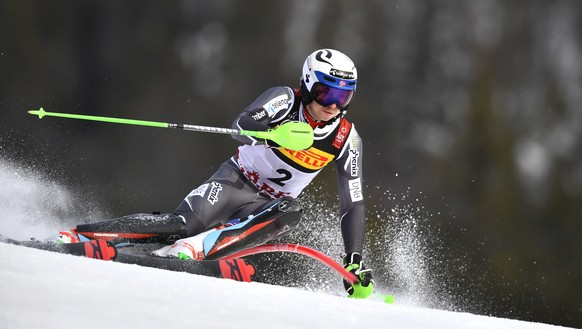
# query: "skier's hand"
{"type": "Point", "coordinates": [365, 285]}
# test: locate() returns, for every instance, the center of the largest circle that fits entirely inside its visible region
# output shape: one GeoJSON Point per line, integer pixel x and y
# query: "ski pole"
{"type": "Point", "coordinates": [292, 135]}
{"type": "Point", "coordinates": [388, 299]}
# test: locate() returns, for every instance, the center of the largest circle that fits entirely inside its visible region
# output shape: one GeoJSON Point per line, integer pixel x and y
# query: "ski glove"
{"type": "Point", "coordinates": [365, 285]}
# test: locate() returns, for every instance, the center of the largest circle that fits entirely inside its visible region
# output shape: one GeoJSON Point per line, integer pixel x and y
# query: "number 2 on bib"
{"type": "Point", "coordinates": [281, 180]}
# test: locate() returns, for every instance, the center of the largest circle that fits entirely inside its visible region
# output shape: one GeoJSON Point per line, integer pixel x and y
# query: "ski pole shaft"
{"type": "Point", "coordinates": [292, 135]}
{"type": "Point", "coordinates": [41, 113]}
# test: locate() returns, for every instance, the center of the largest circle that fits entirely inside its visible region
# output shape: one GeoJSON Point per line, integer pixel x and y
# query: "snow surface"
{"type": "Point", "coordinates": [41, 289]}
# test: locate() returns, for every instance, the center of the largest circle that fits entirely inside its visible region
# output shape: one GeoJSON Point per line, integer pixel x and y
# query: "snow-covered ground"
{"type": "Point", "coordinates": [41, 289]}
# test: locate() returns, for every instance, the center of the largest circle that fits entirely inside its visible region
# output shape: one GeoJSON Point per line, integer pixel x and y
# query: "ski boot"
{"type": "Point", "coordinates": [68, 237]}
{"type": "Point", "coordinates": [192, 247]}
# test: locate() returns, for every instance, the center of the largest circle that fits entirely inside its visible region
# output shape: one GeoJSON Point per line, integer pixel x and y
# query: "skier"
{"type": "Point", "coordinates": [251, 198]}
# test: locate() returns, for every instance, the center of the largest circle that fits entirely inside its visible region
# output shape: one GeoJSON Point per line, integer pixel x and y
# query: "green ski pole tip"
{"type": "Point", "coordinates": [389, 299]}
{"type": "Point", "coordinates": [40, 112]}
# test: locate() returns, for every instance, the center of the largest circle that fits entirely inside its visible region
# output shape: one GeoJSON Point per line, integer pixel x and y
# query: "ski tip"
{"type": "Point", "coordinates": [40, 112]}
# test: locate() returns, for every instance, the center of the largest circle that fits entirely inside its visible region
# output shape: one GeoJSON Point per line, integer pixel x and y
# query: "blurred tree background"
{"type": "Point", "coordinates": [475, 105]}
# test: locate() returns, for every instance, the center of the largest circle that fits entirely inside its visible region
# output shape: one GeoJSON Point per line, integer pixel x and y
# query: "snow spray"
{"type": "Point", "coordinates": [33, 205]}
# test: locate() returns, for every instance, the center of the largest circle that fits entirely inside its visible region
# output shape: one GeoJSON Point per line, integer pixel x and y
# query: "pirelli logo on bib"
{"type": "Point", "coordinates": [313, 159]}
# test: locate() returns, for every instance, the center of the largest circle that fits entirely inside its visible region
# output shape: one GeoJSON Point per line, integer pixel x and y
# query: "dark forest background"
{"type": "Point", "coordinates": [470, 108]}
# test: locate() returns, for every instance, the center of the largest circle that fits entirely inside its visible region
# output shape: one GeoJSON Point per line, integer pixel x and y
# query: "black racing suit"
{"type": "Point", "coordinates": [259, 175]}
{"type": "Point", "coordinates": [261, 172]}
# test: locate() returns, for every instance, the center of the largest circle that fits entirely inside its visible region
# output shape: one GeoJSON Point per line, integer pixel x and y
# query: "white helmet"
{"type": "Point", "coordinates": [328, 77]}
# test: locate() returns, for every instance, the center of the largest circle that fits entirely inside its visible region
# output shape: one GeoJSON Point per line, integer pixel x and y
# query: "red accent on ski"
{"type": "Point", "coordinates": [289, 247]}
{"type": "Point", "coordinates": [112, 236]}
{"type": "Point", "coordinates": [100, 249]}
{"type": "Point", "coordinates": [237, 269]}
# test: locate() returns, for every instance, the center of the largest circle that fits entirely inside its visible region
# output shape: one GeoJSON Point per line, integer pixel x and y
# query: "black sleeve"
{"type": "Point", "coordinates": [263, 113]}
{"type": "Point", "coordinates": [247, 122]}
{"type": "Point", "coordinates": [352, 208]}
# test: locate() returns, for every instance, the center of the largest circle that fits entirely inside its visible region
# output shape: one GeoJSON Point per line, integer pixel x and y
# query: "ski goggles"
{"type": "Point", "coordinates": [326, 95]}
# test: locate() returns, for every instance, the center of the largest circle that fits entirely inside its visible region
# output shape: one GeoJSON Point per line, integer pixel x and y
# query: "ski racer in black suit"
{"type": "Point", "coordinates": [263, 179]}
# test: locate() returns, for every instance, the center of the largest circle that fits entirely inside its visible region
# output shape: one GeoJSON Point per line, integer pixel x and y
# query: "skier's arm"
{"type": "Point", "coordinates": [352, 214]}
{"type": "Point", "coordinates": [262, 114]}
{"type": "Point", "coordinates": [352, 209]}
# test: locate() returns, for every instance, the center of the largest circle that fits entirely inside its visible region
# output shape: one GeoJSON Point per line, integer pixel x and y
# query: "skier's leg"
{"type": "Point", "coordinates": [211, 204]}
{"type": "Point", "coordinates": [274, 220]}
{"type": "Point", "coordinates": [162, 228]}
{"type": "Point", "coordinates": [223, 197]}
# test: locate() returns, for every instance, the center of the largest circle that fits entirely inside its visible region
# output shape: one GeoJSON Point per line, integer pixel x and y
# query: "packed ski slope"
{"type": "Point", "coordinates": [40, 289]}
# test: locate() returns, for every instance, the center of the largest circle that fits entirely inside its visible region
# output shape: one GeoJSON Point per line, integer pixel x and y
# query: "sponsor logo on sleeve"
{"type": "Point", "coordinates": [355, 186]}
{"type": "Point", "coordinates": [259, 114]}
{"type": "Point", "coordinates": [353, 162]}
{"type": "Point", "coordinates": [277, 104]}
